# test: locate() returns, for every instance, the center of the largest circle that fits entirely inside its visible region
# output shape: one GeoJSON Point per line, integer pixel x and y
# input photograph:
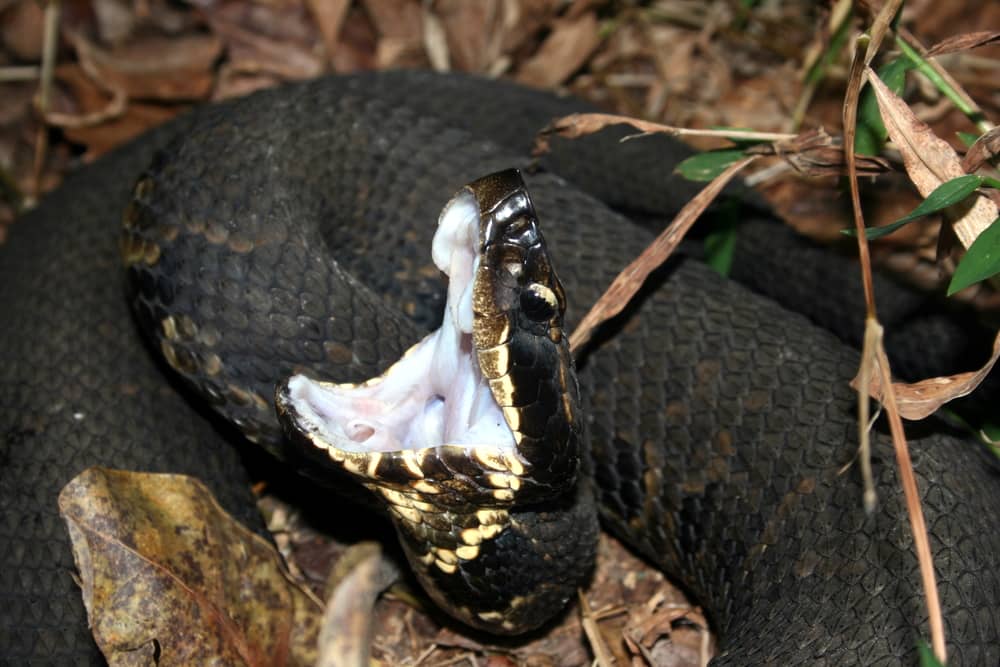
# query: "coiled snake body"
{"type": "Point", "coordinates": [717, 421]}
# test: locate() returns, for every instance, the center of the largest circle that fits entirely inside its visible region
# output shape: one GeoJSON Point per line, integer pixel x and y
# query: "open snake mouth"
{"type": "Point", "coordinates": [483, 410]}
{"type": "Point", "coordinates": [436, 393]}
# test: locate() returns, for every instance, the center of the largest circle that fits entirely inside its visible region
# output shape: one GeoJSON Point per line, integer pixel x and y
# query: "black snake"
{"type": "Point", "coordinates": [718, 422]}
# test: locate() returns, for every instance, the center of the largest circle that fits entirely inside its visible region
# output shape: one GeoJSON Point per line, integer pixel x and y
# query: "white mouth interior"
{"type": "Point", "coordinates": [436, 393]}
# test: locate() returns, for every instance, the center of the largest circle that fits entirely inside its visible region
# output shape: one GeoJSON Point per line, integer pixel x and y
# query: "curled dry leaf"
{"type": "Point", "coordinates": [348, 623]}
{"type": "Point", "coordinates": [920, 399]}
{"type": "Point", "coordinates": [160, 68]}
{"type": "Point", "coordinates": [104, 120]}
{"type": "Point", "coordinates": [930, 161]}
{"type": "Point", "coordinates": [986, 147]}
{"type": "Point", "coordinates": [564, 51]}
{"type": "Point", "coordinates": [329, 15]}
{"type": "Point", "coordinates": [814, 153]}
{"type": "Point", "coordinates": [969, 40]}
{"type": "Point", "coordinates": [166, 572]}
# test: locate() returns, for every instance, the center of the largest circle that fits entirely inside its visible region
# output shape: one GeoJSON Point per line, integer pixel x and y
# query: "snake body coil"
{"type": "Point", "coordinates": [718, 423]}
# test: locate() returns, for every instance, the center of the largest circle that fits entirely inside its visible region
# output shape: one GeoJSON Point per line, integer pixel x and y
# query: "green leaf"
{"type": "Point", "coordinates": [871, 133]}
{"type": "Point", "coordinates": [720, 243]}
{"type": "Point", "coordinates": [967, 138]}
{"type": "Point", "coordinates": [927, 657]}
{"type": "Point", "coordinates": [991, 182]}
{"type": "Point", "coordinates": [830, 53]}
{"type": "Point", "coordinates": [706, 166]}
{"type": "Point", "coordinates": [981, 260]}
{"type": "Point", "coordinates": [945, 195]}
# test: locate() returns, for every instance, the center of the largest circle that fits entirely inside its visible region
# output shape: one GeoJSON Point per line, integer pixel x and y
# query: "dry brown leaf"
{"type": "Point", "coordinates": [929, 160]}
{"type": "Point", "coordinates": [250, 51]}
{"type": "Point", "coordinates": [160, 68]}
{"type": "Point", "coordinates": [236, 82]}
{"type": "Point", "coordinates": [563, 52]}
{"type": "Point", "coordinates": [396, 18]}
{"type": "Point", "coordinates": [21, 30]}
{"type": "Point", "coordinates": [436, 41]}
{"type": "Point", "coordinates": [330, 15]}
{"type": "Point", "coordinates": [102, 123]}
{"type": "Point", "coordinates": [986, 147]}
{"type": "Point", "coordinates": [356, 45]}
{"type": "Point", "coordinates": [475, 32]}
{"type": "Point", "coordinates": [116, 20]}
{"type": "Point", "coordinates": [645, 634]}
{"type": "Point", "coordinates": [921, 399]}
{"type": "Point", "coordinates": [348, 622]}
{"type": "Point", "coordinates": [814, 153]}
{"type": "Point", "coordinates": [969, 40]}
{"type": "Point", "coordinates": [166, 572]}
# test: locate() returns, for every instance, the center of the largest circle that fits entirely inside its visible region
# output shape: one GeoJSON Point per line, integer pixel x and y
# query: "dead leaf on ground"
{"type": "Point", "coordinates": [166, 572]}
{"type": "Point", "coordinates": [22, 29]}
{"type": "Point", "coordinates": [400, 27]}
{"type": "Point", "coordinates": [348, 622]}
{"type": "Point", "coordinates": [279, 40]}
{"type": "Point", "coordinates": [921, 399]}
{"type": "Point", "coordinates": [930, 161]}
{"type": "Point", "coordinates": [564, 51]}
{"type": "Point", "coordinates": [155, 68]}
{"type": "Point", "coordinates": [330, 16]}
{"type": "Point", "coordinates": [100, 123]}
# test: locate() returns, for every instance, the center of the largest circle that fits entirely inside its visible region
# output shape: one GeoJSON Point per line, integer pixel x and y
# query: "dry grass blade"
{"type": "Point", "coordinates": [917, 524]}
{"type": "Point", "coordinates": [969, 40]}
{"type": "Point", "coordinates": [581, 124]}
{"type": "Point", "coordinates": [602, 655]}
{"type": "Point", "coordinates": [873, 336]}
{"type": "Point", "coordinates": [630, 280]}
{"type": "Point", "coordinates": [920, 399]}
{"type": "Point", "coordinates": [52, 13]}
{"type": "Point", "coordinates": [929, 160]}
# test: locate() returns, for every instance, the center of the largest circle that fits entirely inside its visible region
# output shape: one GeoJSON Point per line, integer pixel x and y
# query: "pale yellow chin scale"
{"type": "Point", "coordinates": [436, 394]}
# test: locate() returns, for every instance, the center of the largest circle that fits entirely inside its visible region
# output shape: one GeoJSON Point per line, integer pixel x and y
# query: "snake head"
{"type": "Point", "coordinates": [483, 411]}
{"type": "Point", "coordinates": [475, 428]}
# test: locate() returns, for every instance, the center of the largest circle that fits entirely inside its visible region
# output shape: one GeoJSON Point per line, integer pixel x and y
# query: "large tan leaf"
{"type": "Point", "coordinates": [170, 579]}
{"type": "Point", "coordinates": [930, 161]}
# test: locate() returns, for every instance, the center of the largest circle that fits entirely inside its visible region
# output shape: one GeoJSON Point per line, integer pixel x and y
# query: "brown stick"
{"type": "Point", "coordinates": [907, 479]}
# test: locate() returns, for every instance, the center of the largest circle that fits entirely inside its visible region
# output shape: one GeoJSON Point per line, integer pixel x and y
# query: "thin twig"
{"type": "Point", "coordinates": [19, 73]}
{"type": "Point", "coordinates": [873, 336]}
{"type": "Point", "coordinates": [49, 45]}
{"type": "Point", "coordinates": [602, 655]}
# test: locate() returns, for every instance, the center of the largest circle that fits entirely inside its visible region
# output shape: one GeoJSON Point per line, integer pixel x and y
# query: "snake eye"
{"type": "Point", "coordinates": [539, 302]}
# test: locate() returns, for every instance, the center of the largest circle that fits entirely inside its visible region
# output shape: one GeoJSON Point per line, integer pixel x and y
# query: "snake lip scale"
{"type": "Point", "coordinates": [289, 231]}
